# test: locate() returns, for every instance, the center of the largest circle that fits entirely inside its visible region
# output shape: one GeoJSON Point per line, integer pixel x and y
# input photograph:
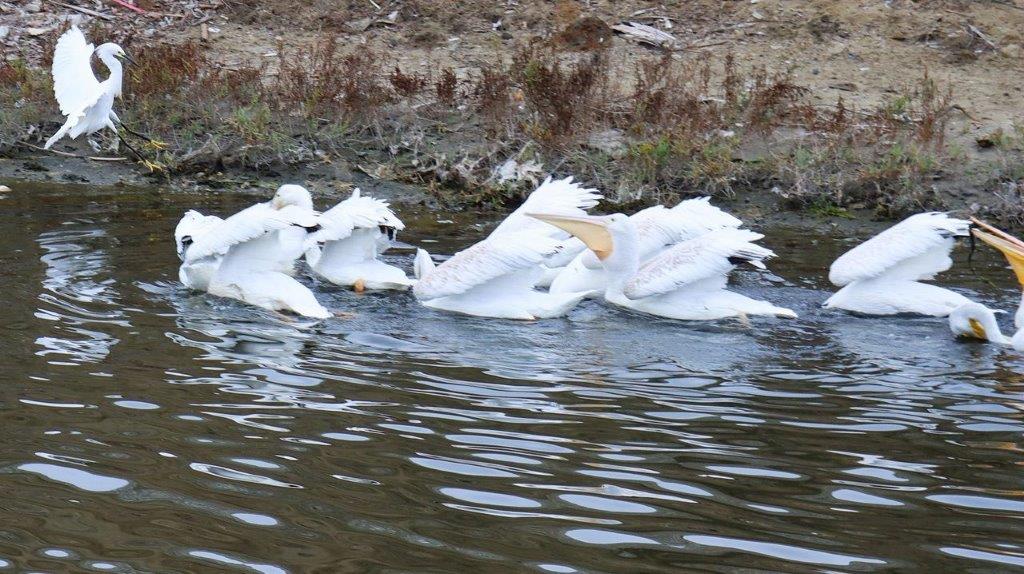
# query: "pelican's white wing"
{"type": "Point", "coordinates": [74, 83]}
{"type": "Point", "coordinates": [916, 248]}
{"type": "Point", "coordinates": [561, 196]}
{"type": "Point", "coordinates": [193, 225]}
{"type": "Point", "coordinates": [334, 225]}
{"type": "Point", "coordinates": [659, 226]}
{"type": "Point", "coordinates": [484, 262]}
{"type": "Point", "coordinates": [250, 223]}
{"type": "Point", "coordinates": [366, 211]}
{"type": "Point", "coordinates": [709, 256]}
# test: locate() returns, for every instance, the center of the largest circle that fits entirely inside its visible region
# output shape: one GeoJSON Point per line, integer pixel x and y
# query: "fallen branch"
{"type": "Point", "coordinates": [85, 11]}
{"type": "Point", "coordinates": [973, 30]}
{"type": "Point", "coordinates": [131, 7]}
{"type": "Point", "coordinates": [650, 35]}
{"type": "Point", "coordinates": [66, 154]}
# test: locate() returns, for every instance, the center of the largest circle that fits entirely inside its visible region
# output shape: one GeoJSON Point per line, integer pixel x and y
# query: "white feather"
{"type": "Point", "coordinates": [560, 196]}
{"type": "Point", "coordinates": [74, 83]}
{"type": "Point", "coordinates": [698, 259]}
{"type": "Point", "coordinates": [915, 249]}
{"type": "Point", "coordinates": [248, 224]}
{"type": "Point", "coordinates": [485, 261]}
{"type": "Point", "coordinates": [193, 224]}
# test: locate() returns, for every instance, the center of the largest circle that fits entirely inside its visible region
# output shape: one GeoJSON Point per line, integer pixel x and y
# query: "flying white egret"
{"type": "Point", "coordinates": [686, 281]}
{"type": "Point", "coordinates": [195, 273]}
{"type": "Point", "coordinates": [657, 228]}
{"type": "Point", "coordinates": [353, 233]}
{"type": "Point", "coordinates": [87, 102]}
{"type": "Point", "coordinates": [494, 278]}
{"type": "Point", "coordinates": [258, 247]}
{"type": "Point", "coordinates": [883, 275]}
{"type": "Point", "coordinates": [978, 321]}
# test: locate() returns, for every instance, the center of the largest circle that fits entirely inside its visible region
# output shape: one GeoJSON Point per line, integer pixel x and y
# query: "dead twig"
{"type": "Point", "coordinates": [85, 11]}
{"type": "Point", "coordinates": [650, 35]}
{"type": "Point", "coordinates": [131, 7]}
{"type": "Point", "coordinates": [978, 33]}
{"type": "Point", "coordinates": [66, 154]}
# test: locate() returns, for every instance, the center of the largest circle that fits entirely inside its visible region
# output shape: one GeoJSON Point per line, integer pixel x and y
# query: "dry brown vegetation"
{"type": "Point", "coordinates": [667, 127]}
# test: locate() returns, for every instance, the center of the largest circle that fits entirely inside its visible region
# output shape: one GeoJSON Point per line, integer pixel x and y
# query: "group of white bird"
{"type": "Point", "coordinates": [550, 254]}
{"type": "Point", "coordinates": [671, 262]}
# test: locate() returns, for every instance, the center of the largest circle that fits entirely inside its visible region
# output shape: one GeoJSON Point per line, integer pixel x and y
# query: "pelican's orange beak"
{"type": "Point", "coordinates": [1011, 247]}
{"type": "Point", "coordinates": [593, 231]}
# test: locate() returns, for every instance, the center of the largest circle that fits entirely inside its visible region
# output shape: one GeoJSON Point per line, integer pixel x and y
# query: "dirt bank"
{"type": "Point", "coordinates": [834, 108]}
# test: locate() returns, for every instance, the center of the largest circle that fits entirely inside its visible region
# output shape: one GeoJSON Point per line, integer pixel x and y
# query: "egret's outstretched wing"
{"type": "Point", "coordinates": [711, 255]}
{"type": "Point", "coordinates": [191, 227]}
{"type": "Point", "coordinates": [916, 248]}
{"type": "Point", "coordinates": [561, 196]}
{"type": "Point", "coordinates": [248, 224]}
{"type": "Point", "coordinates": [74, 83]}
{"type": "Point", "coordinates": [484, 262]}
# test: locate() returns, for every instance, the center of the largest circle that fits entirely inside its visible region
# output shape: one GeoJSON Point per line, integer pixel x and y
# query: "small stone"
{"type": "Point", "coordinates": [611, 142]}
{"type": "Point", "coordinates": [4, 31]}
{"type": "Point", "coordinates": [37, 31]}
{"type": "Point", "coordinates": [34, 6]}
{"type": "Point", "coordinates": [4, 189]}
{"type": "Point", "coordinates": [1012, 51]}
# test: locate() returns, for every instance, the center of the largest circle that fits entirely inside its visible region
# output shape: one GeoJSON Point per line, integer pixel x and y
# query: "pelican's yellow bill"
{"type": "Point", "coordinates": [1011, 248]}
{"type": "Point", "coordinates": [590, 230]}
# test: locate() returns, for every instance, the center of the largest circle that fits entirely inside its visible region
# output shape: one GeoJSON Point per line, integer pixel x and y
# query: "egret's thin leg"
{"type": "Point", "coordinates": [149, 139]}
{"type": "Point", "coordinates": [129, 146]}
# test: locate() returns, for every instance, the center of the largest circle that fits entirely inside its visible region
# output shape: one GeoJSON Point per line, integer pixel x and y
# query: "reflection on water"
{"type": "Point", "coordinates": [152, 429]}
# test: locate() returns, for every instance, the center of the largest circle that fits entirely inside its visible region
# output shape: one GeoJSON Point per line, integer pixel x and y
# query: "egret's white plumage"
{"type": "Point", "coordinates": [686, 281]}
{"type": "Point", "coordinates": [657, 228]}
{"type": "Point", "coordinates": [352, 235]}
{"type": "Point", "coordinates": [196, 272]}
{"type": "Point", "coordinates": [87, 102]}
{"type": "Point", "coordinates": [882, 275]}
{"type": "Point", "coordinates": [258, 247]}
{"type": "Point", "coordinates": [494, 278]}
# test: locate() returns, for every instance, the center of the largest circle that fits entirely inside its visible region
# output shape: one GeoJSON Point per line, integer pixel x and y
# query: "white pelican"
{"type": "Point", "coordinates": [978, 321]}
{"type": "Point", "coordinates": [494, 278]}
{"type": "Point", "coordinates": [657, 228]}
{"type": "Point", "coordinates": [259, 246]}
{"type": "Point", "coordinates": [686, 281]}
{"type": "Point", "coordinates": [353, 234]}
{"type": "Point", "coordinates": [562, 196]}
{"type": "Point", "coordinates": [87, 102]}
{"type": "Point", "coordinates": [882, 275]}
{"type": "Point", "coordinates": [195, 273]}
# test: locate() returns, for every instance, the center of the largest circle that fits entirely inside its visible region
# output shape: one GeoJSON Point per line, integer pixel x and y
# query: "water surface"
{"type": "Point", "coordinates": [149, 429]}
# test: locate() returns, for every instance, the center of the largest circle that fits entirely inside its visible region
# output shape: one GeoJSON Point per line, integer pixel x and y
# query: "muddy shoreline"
{"type": "Point", "coordinates": [757, 210]}
{"type": "Point", "coordinates": [826, 113]}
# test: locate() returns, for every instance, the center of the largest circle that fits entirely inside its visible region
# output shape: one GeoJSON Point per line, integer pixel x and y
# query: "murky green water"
{"type": "Point", "coordinates": [147, 429]}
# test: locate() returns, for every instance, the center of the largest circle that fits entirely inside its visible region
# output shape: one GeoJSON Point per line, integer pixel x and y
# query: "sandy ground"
{"type": "Point", "coordinates": [862, 51]}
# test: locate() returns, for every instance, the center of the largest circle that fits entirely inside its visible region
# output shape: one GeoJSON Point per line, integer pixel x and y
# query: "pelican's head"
{"type": "Point", "coordinates": [112, 50]}
{"type": "Point", "coordinates": [185, 231]}
{"type": "Point", "coordinates": [612, 238]}
{"type": "Point", "coordinates": [1011, 247]}
{"type": "Point", "coordinates": [976, 321]}
{"type": "Point", "coordinates": [290, 194]}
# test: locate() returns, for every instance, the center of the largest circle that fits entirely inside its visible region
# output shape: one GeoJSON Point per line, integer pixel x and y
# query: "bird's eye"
{"type": "Point", "coordinates": [186, 241]}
